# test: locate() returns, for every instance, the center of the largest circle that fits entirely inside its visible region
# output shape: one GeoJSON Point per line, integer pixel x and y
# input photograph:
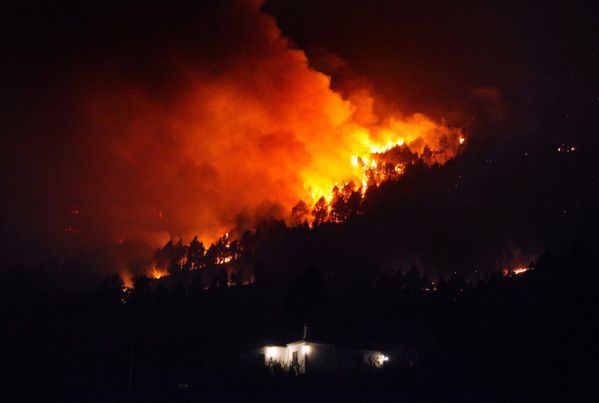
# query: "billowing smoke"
{"type": "Point", "coordinates": [202, 139]}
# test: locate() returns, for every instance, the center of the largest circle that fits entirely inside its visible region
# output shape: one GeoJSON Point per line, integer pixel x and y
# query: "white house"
{"type": "Point", "coordinates": [305, 355]}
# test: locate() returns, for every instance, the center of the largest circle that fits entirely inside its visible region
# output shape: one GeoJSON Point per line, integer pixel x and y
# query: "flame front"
{"type": "Point", "coordinates": [365, 155]}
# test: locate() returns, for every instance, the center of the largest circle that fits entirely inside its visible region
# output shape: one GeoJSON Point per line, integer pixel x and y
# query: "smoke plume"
{"type": "Point", "coordinates": [209, 134]}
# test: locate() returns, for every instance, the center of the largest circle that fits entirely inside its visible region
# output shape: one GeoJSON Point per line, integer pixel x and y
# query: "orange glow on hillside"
{"type": "Point", "coordinates": [157, 273]}
{"type": "Point", "coordinates": [366, 156]}
{"type": "Point", "coordinates": [127, 279]}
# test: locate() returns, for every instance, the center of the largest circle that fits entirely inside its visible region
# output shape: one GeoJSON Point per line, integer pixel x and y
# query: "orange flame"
{"type": "Point", "coordinates": [127, 279]}
{"type": "Point", "coordinates": [157, 273]}
{"type": "Point", "coordinates": [516, 271]}
{"type": "Point", "coordinates": [520, 270]}
{"type": "Point", "coordinates": [362, 156]}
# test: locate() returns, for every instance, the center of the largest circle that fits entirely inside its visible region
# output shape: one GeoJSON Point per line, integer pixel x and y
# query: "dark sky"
{"type": "Point", "coordinates": [429, 55]}
{"type": "Point", "coordinates": [519, 77]}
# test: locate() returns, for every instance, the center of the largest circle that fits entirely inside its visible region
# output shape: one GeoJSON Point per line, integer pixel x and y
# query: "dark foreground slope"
{"type": "Point", "coordinates": [519, 338]}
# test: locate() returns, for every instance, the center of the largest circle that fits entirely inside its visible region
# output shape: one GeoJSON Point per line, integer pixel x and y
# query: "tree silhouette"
{"type": "Point", "coordinates": [195, 254]}
{"type": "Point", "coordinates": [412, 279]}
{"type": "Point", "coordinates": [112, 290]}
{"type": "Point", "coordinates": [177, 258]}
{"type": "Point", "coordinates": [299, 213]}
{"type": "Point", "coordinates": [236, 278]}
{"type": "Point", "coordinates": [220, 279]}
{"type": "Point", "coordinates": [141, 288]}
{"type": "Point", "coordinates": [320, 211]}
{"type": "Point", "coordinates": [346, 202]}
{"type": "Point", "coordinates": [220, 250]}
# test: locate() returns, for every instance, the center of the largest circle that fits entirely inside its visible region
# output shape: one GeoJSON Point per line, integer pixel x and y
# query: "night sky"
{"type": "Point", "coordinates": [519, 79]}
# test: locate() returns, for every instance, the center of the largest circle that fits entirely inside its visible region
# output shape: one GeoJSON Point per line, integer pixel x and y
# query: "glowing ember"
{"type": "Point", "coordinates": [516, 271]}
{"type": "Point", "coordinates": [566, 149]}
{"type": "Point", "coordinates": [223, 260]}
{"type": "Point", "coordinates": [520, 270]}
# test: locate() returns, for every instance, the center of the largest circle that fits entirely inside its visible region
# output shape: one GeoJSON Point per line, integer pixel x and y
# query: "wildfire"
{"type": "Point", "coordinates": [336, 198]}
{"type": "Point", "coordinates": [382, 161]}
{"type": "Point", "coordinates": [127, 279]}
{"type": "Point", "coordinates": [520, 270]}
{"type": "Point", "coordinates": [258, 134]}
{"type": "Point", "coordinates": [223, 260]}
{"type": "Point", "coordinates": [379, 153]}
{"type": "Point", "coordinates": [516, 271]}
{"type": "Point", "coordinates": [157, 273]}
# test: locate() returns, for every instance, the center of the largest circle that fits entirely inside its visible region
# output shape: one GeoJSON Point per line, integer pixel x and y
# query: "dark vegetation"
{"type": "Point", "coordinates": [478, 335]}
{"type": "Point", "coordinates": [494, 206]}
{"type": "Point", "coordinates": [515, 337]}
